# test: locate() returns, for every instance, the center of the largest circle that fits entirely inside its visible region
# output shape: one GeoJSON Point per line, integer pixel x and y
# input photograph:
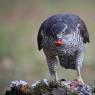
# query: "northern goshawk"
{"type": "Point", "coordinates": [63, 36]}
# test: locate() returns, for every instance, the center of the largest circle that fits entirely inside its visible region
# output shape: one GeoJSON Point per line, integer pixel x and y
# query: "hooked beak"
{"type": "Point", "coordinates": [59, 42]}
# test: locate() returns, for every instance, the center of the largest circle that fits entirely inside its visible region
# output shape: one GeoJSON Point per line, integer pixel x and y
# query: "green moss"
{"type": "Point", "coordinates": [41, 88]}
{"type": "Point", "coordinates": [47, 89]}
{"type": "Point", "coordinates": [74, 93]}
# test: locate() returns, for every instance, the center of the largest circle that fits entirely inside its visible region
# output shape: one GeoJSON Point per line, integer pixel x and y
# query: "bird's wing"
{"type": "Point", "coordinates": [84, 32]}
{"type": "Point", "coordinates": [39, 39]}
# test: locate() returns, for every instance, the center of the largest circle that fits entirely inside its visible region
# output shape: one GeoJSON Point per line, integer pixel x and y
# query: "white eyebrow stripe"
{"type": "Point", "coordinates": [65, 27]}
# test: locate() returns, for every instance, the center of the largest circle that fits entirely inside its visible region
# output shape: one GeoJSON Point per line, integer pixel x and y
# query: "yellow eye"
{"type": "Point", "coordinates": [63, 33]}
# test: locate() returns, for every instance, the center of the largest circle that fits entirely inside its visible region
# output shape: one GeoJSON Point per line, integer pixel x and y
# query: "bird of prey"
{"type": "Point", "coordinates": [63, 37]}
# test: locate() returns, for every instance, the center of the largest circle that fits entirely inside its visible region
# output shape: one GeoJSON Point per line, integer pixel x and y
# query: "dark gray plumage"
{"type": "Point", "coordinates": [65, 36]}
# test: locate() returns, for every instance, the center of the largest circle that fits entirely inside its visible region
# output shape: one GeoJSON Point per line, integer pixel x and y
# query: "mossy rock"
{"type": "Point", "coordinates": [45, 87]}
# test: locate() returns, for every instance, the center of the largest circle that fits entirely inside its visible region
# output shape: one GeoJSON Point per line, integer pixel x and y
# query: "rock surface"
{"type": "Point", "coordinates": [45, 87]}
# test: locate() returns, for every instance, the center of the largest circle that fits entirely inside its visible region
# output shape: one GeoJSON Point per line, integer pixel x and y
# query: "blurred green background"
{"type": "Point", "coordinates": [19, 23]}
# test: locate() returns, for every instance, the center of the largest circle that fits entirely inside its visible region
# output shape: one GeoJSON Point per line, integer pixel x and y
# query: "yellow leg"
{"type": "Point", "coordinates": [79, 75]}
